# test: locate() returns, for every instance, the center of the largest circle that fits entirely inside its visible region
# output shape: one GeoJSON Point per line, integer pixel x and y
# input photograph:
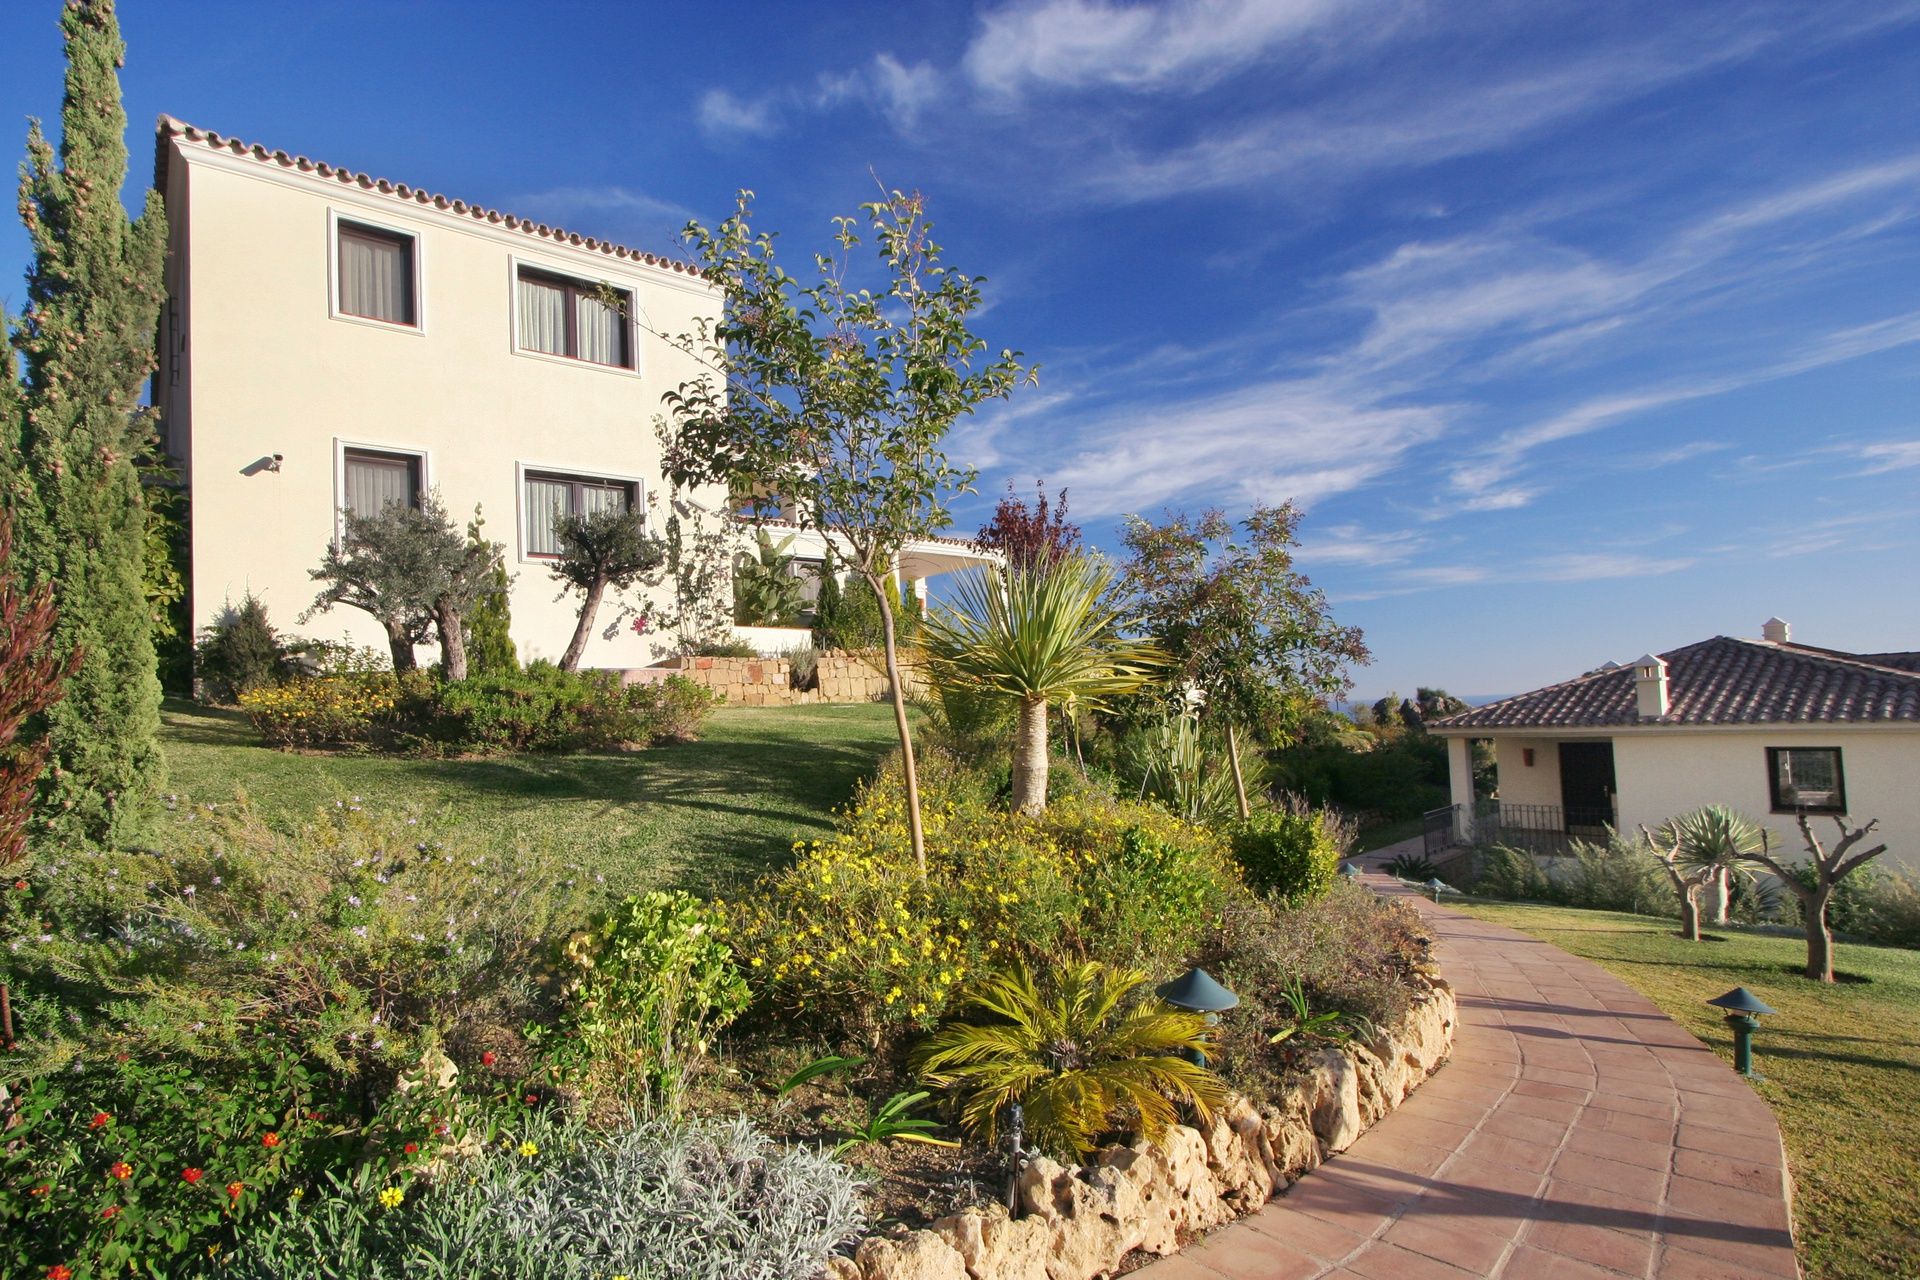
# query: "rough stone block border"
{"type": "Point", "coordinates": [1077, 1222]}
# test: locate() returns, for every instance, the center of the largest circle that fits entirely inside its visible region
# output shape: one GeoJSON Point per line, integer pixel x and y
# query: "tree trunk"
{"type": "Point", "coordinates": [589, 608]}
{"type": "Point", "coordinates": [1690, 913]}
{"type": "Point", "coordinates": [453, 640]}
{"type": "Point", "coordinates": [400, 645]}
{"type": "Point", "coordinates": [1239, 778]}
{"type": "Point", "coordinates": [916, 834]}
{"type": "Point", "coordinates": [1819, 935]}
{"type": "Point", "coordinates": [1030, 758]}
{"type": "Point", "coordinates": [1719, 894]}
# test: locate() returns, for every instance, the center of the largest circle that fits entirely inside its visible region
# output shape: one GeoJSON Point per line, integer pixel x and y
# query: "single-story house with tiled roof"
{"type": "Point", "coordinates": [1772, 728]}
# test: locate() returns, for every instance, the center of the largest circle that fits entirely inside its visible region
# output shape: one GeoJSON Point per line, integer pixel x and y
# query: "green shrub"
{"type": "Point", "coordinates": [1892, 916]}
{"type": "Point", "coordinates": [854, 941]}
{"type": "Point", "coordinates": [671, 711]}
{"type": "Point", "coordinates": [1351, 951]}
{"type": "Point", "coordinates": [710, 1200]}
{"type": "Point", "coordinates": [1417, 867]}
{"type": "Point", "coordinates": [1502, 871]}
{"type": "Point", "coordinates": [650, 983]}
{"type": "Point", "coordinates": [1081, 1052]}
{"type": "Point", "coordinates": [360, 939]}
{"type": "Point", "coordinates": [1621, 874]}
{"type": "Point", "coordinates": [1290, 855]}
{"type": "Point", "coordinates": [239, 652]}
{"type": "Point", "coordinates": [158, 1165]}
{"type": "Point", "coordinates": [321, 711]}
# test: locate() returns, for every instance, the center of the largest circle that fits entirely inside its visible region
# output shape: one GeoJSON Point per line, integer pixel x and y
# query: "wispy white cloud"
{"type": "Point", "coordinates": [1305, 439]}
{"type": "Point", "coordinates": [1351, 544]}
{"type": "Point", "coordinates": [624, 202]}
{"type": "Point", "coordinates": [1184, 45]}
{"type": "Point", "coordinates": [1891, 455]}
{"type": "Point", "coordinates": [723, 115]}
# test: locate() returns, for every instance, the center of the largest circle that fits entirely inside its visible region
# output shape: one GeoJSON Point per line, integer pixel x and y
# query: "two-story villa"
{"type": "Point", "coordinates": [336, 341]}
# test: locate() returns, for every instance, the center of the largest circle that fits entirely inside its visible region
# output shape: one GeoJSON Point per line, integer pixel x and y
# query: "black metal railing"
{"type": "Point", "coordinates": [1540, 828]}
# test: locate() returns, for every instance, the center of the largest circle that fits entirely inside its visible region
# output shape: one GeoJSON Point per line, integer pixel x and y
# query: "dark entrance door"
{"type": "Point", "coordinates": [1586, 785]}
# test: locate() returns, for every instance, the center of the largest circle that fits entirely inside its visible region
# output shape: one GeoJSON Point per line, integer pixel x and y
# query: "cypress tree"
{"type": "Point", "coordinates": [93, 294]}
{"type": "Point", "coordinates": [490, 650]}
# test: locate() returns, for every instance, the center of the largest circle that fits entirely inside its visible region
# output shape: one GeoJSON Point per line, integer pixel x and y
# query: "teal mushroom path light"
{"type": "Point", "coordinates": [1743, 1015]}
{"type": "Point", "coordinates": [1196, 991]}
{"type": "Point", "coordinates": [1350, 871]}
{"type": "Point", "coordinates": [1436, 887]}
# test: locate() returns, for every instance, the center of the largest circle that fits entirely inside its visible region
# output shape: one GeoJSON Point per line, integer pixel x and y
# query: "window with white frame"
{"type": "Point", "coordinates": [551, 497]}
{"type": "Point", "coordinates": [373, 479]}
{"type": "Point", "coordinates": [1806, 780]}
{"type": "Point", "coordinates": [374, 274]}
{"type": "Point", "coordinates": [561, 316]}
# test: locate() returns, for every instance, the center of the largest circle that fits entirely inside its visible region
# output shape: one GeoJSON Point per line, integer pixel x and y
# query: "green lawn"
{"type": "Point", "coordinates": [703, 815]}
{"type": "Point", "coordinates": [1842, 1066]}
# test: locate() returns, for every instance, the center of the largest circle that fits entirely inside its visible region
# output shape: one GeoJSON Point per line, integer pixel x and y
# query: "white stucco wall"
{"type": "Point", "coordinates": [261, 366]}
{"type": "Point", "coordinates": [1521, 783]}
{"type": "Point", "coordinates": [1664, 771]}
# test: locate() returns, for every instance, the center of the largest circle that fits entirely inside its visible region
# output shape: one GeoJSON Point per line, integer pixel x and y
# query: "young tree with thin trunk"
{"type": "Point", "coordinates": [601, 550]}
{"type": "Point", "coordinates": [1036, 636]}
{"type": "Point", "coordinates": [71, 475]}
{"type": "Point", "coordinates": [1825, 868]}
{"type": "Point", "coordinates": [1247, 630]}
{"type": "Point", "coordinates": [838, 398]}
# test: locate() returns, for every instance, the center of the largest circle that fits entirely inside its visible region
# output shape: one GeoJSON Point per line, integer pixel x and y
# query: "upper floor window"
{"type": "Point", "coordinates": [376, 274]}
{"type": "Point", "coordinates": [566, 317]}
{"type": "Point", "coordinates": [552, 497]}
{"type": "Point", "coordinates": [372, 480]}
{"type": "Point", "coordinates": [1806, 780]}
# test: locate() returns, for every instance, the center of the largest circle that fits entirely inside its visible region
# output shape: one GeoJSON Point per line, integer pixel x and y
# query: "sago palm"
{"type": "Point", "coordinates": [1036, 636]}
{"type": "Point", "coordinates": [1075, 1054]}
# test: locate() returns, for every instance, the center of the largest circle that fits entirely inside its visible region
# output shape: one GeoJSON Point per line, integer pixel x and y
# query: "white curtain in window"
{"type": "Point", "coordinates": [543, 316]}
{"type": "Point", "coordinates": [596, 498]}
{"type": "Point", "coordinates": [374, 483]}
{"type": "Point", "coordinates": [602, 332]}
{"type": "Point", "coordinates": [547, 501]}
{"type": "Point", "coordinates": [376, 277]}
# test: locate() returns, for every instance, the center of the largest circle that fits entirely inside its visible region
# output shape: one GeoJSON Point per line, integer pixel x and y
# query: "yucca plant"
{"type": "Point", "coordinates": [1704, 848]}
{"type": "Point", "coordinates": [1079, 1054]}
{"type": "Point", "coordinates": [1036, 636]}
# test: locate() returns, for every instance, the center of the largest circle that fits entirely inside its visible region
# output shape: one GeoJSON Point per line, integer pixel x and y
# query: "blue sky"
{"type": "Point", "coordinates": [1579, 330]}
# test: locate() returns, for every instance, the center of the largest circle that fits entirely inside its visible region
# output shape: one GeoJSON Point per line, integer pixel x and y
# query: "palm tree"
{"type": "Point", "coordinates": [1075, 1055]}
{"type": "Point", "coordinates": [1703, 849]}
{"type": "Point", "coordinates": [1036, 636]}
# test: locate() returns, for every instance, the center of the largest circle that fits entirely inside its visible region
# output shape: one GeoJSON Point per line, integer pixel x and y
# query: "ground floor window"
{"type": "Point", "coordinates": [373, 480]}
{"type": "Point", "coordinates": [551, 497]}
{"type": "Point", "coordinates": [1806, 780]}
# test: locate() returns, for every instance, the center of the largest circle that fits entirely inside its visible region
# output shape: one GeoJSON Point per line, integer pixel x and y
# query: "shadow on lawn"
{"type": "Point", "coordinates": [766, 787]}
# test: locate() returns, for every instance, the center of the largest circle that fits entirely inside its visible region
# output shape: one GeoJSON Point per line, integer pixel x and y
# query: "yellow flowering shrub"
{"type": "Point", "coordinates": [853, 941]}
{"type": "Point", "coordinates": [317, 711]}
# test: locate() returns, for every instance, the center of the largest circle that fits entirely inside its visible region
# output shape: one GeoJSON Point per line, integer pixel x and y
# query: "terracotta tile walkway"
{"type": "Point", "coordinates": [1577, 1132]}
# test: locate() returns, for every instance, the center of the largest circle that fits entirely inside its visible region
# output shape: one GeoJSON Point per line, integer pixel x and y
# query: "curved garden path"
{"type": "Point", "coordinates": [1576, 1133]}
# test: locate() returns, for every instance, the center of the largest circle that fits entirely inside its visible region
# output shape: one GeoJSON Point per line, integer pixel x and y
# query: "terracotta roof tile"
{"type": "Point", "coordinates": [1724, 681]}
{"type": "Point", "coordinates": [169, 128]}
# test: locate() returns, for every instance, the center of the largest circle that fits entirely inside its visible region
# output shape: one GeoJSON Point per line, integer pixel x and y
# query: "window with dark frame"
{"type": "Point", "coordinates": [373, 481]}
{"type": "Point", "coordinates": [375, 274]}
{"type": "Point", "coordinates": [560, 316]}
{"type": "Point", "coordinates": [1806, 780]}
{"type": "Point", "coordinates": [551, 496]}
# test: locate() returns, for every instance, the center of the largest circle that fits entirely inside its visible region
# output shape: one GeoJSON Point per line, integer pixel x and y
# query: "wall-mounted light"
{"type": "Point", "coordinates": [279, 458]}
{"type": "Point", "coordinates": [1526, 756]}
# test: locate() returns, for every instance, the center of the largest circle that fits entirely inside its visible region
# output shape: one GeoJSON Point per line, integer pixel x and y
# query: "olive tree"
{"type": "Point", "coordinates": [838, 398]}
{"type": "Point", "coordinates": [601, 550]}
{"type": "Point", "coordinates": [1248, 631]}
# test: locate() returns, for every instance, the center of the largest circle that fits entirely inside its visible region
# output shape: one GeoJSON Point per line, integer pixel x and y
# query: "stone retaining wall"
{"type": "Point", "coordinates": [768, 682]}
{"type": "Point", "coordinates": [1078, 1222]}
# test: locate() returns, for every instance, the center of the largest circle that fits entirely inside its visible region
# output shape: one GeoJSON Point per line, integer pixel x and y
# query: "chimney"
{"type": "Point", "coordinates": [1650, 687]}
{"type": "Point", "coordinates": [1775, 631]}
